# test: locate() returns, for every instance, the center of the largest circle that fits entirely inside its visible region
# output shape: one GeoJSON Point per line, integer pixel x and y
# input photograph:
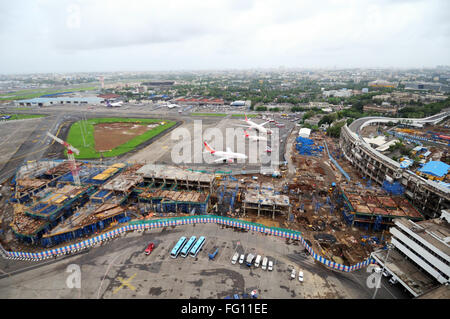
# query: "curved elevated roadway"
{"type": "Point", "coordinates": [428, 196]}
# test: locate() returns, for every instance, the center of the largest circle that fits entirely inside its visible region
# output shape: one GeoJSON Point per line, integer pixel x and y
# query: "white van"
{"type": "Point", "coordinates": [235, 258]}
{"type": "Point", "coordinates": [258, 260]}
{"type": "Point", "coordinates": [264, 263]}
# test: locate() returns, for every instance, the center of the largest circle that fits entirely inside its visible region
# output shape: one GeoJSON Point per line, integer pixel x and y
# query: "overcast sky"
{"type": "Point", "coordinates": [153, 35]}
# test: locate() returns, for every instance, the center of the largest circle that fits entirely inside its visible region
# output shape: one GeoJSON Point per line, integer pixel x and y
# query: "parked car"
{"type": "Point", "coordinates": [393, 281]}
{"type": "Point", "coordinates": [300, 276]}
{"type": "Point", "coordinates": [235, 258]}
{"type": "Point", "coordinates": [257, 261]}
{"type": "Point", "coordinates": [293, 274]}
{"type": "Point", "coordinates": [241, 260]}
{"type": "Point", "coordinates": [264, 263]}
{"type": "Point", "coordinates": [149, 248]}
{"type": "Point", "coordinates": [270, 267]}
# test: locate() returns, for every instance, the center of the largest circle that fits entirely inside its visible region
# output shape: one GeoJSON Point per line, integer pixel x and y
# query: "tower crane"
{"type": "Point", "coordinates": [70, 151]}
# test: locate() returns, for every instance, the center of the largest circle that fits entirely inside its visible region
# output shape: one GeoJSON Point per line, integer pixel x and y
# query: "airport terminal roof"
{"type": "Point", "coordinates": [57, 99]}
{"type": "Point", "coordinates": [436, 168]}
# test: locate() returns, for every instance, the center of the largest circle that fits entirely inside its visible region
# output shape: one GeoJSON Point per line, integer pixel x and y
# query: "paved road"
{"type": "Point", "coordinates": [119, 269]}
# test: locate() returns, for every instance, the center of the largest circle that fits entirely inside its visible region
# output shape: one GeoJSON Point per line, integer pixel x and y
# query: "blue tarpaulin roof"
{"type": "Point", "coordinates": [435, 168]}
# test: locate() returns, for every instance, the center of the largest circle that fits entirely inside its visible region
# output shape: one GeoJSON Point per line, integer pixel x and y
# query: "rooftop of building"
{"type": "Point", "coordinates": [57, 99]}
{"type": "Point", "coordinates": [172, 172]}
{"type": "Point", "coordinates": [265, 196]}
{"type": "Point", "coordinates": [434, 231]}
{"type": "Point", "coordinates": [442, 292]}
{"type": "Point", "coordinates": [177, 196]}
{"type": "Point", "coordinates": [436, 168]}
{"type": "Point", "coordinates": [408, 272]}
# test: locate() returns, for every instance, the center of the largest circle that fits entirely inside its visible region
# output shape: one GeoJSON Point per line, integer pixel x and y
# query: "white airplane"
{"type": "Point", "coordinates": [171, 106]}
{"type": "Point", "coordinates": [254, 137]}
{"type": "Point", "coordinates": [227, 156]}
{"type": "Point", "coordinates": [259, 127]}
{"type": "Point", "coordinates": [115, 104]}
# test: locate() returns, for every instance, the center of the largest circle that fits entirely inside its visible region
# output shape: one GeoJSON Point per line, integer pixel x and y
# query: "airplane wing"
{"type": "Point", "coordinates": [264, 123]}
{"type": "Point", "coordinates": [247, 126]}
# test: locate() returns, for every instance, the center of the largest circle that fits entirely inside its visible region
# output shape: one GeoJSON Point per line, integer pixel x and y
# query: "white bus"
{"type": "Point", "coordinates": [177, 248]}
{"type": "Point", "coordinates": [188, 246]}
{"type": "Point", "coordinates": [197, 247]}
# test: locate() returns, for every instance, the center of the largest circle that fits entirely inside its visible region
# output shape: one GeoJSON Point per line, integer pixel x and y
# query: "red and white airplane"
{"type": "Point", "coordinates": [224, 157]}
{"type": "Point", "coordinates": [259, 127]}
{"type": "Point", "coordinates": [254, 137]}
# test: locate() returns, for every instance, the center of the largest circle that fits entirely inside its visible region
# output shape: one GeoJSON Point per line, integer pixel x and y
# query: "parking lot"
{"type": "Point", "coordinates": [120, 269]}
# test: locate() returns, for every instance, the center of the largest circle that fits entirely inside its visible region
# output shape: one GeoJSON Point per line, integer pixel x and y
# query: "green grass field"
{"type": "Point", "coordinates": [30, 94]}
{"type": "Point", "coordinates": [22, 116]}
{"type": "Point", "coordinates": [208, 114]}
{"type": "Point", "coordinates": [243, 115]}
{"type": "Point", "coordinates": [75, 136]}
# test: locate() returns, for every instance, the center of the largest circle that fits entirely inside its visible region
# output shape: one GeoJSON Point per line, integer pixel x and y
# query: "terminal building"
{"type": "Point", "coordinates": [48, 101]}
{"type": "Point", "coordinates": [420, 257]}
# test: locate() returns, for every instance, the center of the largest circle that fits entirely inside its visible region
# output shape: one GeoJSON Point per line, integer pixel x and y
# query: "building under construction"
{"type": "Point", "coordinates": [263, 199]}
{"type": "Point", "coordinates": [169, 177]}
{"type": "Point", "coordinates": [374, 208]}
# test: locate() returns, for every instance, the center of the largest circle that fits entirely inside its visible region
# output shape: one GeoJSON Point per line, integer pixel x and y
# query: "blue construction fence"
{"type": "Point", "coordinates": [178, 221]}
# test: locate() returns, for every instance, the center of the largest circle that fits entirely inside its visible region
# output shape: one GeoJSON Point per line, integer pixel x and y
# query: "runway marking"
{"type": "Point", "coordinates": [125, 283]}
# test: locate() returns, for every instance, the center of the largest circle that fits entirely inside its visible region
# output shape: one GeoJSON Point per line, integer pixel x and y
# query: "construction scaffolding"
{"type": "Point", "coordinates": [167, 201]}
{"type": "Point", "coordinates": [89, 219]}
{"type": "Point", "coordinates": [265, 200]}
{"type": "Point", "coordinates": [373, 208]}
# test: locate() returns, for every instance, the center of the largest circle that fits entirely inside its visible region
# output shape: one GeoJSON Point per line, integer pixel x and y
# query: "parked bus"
{"type": "Point", "coordinates": [177, 248]}
{"type": "Point", "coordinates": [188, 246]}
{"type": "Point", "coordinates": [197, 247]}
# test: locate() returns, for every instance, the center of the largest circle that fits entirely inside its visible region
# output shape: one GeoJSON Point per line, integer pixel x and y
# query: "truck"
{"type": "Point", "coordinates": [213, 255]}
{"type": "Point", "coordinates": [250, 258]}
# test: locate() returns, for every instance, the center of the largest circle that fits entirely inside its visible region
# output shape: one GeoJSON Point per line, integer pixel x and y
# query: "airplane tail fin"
{"type": "Point", "coordinates": [246, 133]}
{"type": "Point", "coordinates": [246, 119]}
{"type": "Point", "coordinates": [209, 149]}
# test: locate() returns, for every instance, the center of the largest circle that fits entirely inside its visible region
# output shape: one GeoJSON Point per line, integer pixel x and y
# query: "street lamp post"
{"type": "Point", "coordinates": [389, 246]}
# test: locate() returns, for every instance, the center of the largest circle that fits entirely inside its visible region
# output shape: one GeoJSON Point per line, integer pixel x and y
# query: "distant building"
{"type": "Point", "coordinates": [327, 110]}
{"type": "Point", "coordinates": [304, 132]}
{"type": "Point", "coordinates": [439, 87]}
{"type": "Point", "coordinates": [338, 93]}
{"type": "Point", "coordinates": [365, 90]}
{"type": "Point", "coordinates": [385, 109]}
{"type": "Point", "coordinates": [382, 84]}
{"type": "Point", "coordinates": [313, 121]}
{"type": "Point", "coordinates": [203, 101]}
{"type": "Point", "coordinates": [158, 83]}
{"type": "Point", "coordinates": [238, 103]}
{"type": "Point", "coordinates": [47, 101]}
{"type": "Point", "coordinates": [109, 96]}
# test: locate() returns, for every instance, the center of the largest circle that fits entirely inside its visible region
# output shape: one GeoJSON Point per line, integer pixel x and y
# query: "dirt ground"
{"type": "Point", "coordinates": [110, 135]}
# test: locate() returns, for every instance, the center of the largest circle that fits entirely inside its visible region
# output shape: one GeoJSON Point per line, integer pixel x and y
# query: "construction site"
{"type": "Point", "coordinates": [338, 210]}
